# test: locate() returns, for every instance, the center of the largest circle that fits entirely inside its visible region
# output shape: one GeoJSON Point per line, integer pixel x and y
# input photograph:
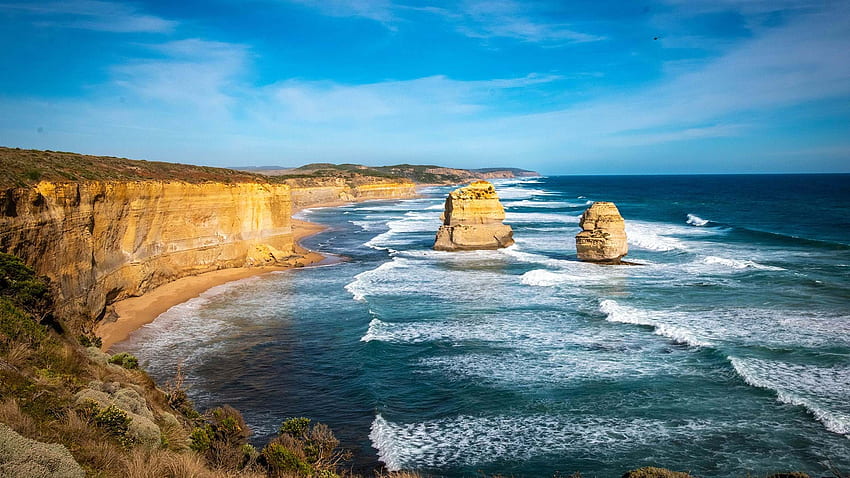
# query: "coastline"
{"type": "Point", "coordinates": [135, 312]}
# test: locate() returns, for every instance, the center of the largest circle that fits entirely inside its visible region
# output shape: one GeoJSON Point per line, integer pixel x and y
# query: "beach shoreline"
{"type": "Point", "coordinates": [135, 312]}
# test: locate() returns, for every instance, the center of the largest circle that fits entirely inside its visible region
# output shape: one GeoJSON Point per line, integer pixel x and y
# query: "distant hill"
{"type": "Point", "coordinates": [422, 174]}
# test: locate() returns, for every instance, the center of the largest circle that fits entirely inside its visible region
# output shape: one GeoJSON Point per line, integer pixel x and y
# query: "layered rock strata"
{"type": "Point", "coordinates": [325, 191]}
{"type": "Point", "coordinates": [603, 235]}
{"type": "Point", "coordinates": [473, 220]}
{"type": "Point", "coordinates": [103, 241]}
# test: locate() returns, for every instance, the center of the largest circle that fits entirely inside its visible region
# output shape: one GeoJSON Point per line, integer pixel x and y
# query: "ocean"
{"type": "Point", "coordinates": [726, 352]}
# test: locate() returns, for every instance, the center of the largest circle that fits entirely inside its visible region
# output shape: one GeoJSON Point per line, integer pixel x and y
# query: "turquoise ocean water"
{"type": "Point", "coordinates": [728, 352]}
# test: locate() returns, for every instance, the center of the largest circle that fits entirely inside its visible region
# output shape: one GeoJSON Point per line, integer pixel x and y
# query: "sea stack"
{"type": "Point", "coordinates": [603, 235]}
{"type": "Point", "coordinates": [473, 220]}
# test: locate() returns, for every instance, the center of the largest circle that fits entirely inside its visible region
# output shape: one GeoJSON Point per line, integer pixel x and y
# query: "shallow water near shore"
{"type": "Point", "coordinates": [728, 352]}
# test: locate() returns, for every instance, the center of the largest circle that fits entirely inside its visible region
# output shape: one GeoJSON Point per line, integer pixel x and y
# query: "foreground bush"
{"type": "Point", "coordinates": [126, 360]}
{"type": "Point", "coordinates": [653, 472]}
{"type": "Point", "coordinates": [303, 449]}
{"type": "Point", "coordinates": [223, 439]}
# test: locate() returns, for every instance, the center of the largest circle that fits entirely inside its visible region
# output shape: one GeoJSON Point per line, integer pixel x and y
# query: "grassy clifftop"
{"type": "Point", "coordinates": [26, 167]}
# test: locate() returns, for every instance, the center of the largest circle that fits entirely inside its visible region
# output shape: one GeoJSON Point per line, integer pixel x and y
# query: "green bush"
{"type": "Point", "coordinates": [283, 461]}
{"type": "Point", "coordinates": [90, 340]}
{"type": "Point", "coordinates": [126, 360]}
{"type": "Point", "coordinates": [19, 326]}
{"type": "Point", "coordinates": [654, 472]}
{"type": "Point", "coordinates": [19, 283]}
{"type": "Point", "coordinates": [116, 422]}
{"type": "Point", "coordinates": [303, 449]}
{"type": "Point", "coordinates": [222, 439]}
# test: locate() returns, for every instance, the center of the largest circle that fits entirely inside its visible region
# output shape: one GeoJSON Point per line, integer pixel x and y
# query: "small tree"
{"type": "Point", "coordinates": [222, 438]}
{"type": "Point", "coordinates": [302, 449]}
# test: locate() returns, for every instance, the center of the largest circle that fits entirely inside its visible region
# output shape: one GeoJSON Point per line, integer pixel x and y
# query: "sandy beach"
{"type": "Point", "coordinates": [135, 312]}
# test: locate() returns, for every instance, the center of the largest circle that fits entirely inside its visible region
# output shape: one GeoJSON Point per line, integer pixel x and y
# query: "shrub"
{"type": "Point", "coordinates": [654, 472]}
{"type": "Point", "coordinates": [282, 461]}
{"type": "Point", "coordinates": [222, 438]}
{"type": "Point", "coordinates": [20, 284]}
{"type": "Point", "coordinates": [303, 449]}
{"type": "Point", "coordinates": [90, 340]}
{"type": "Point", "coordinates": [116, 422]}
{"type": "Point", "coordinates": [126, 360]}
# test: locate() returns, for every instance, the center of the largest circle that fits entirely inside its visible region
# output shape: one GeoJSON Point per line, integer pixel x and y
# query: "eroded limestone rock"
{"type": "Point", "coordinates": [473, 220]}
{"type": "Point", "coordinates": [603, 235]}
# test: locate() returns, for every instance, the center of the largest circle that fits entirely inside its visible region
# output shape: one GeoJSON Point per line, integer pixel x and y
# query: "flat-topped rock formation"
{"type": "Point", "coordinates": [603, 235]}
{"type": "Point", "coordinates": [473, 220]}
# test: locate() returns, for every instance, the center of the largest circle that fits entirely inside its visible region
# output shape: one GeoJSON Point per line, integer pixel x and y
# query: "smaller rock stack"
{"type": "Point", "coordinates": [603, 235]}
{"type": "Point", "coordinates": [473, 220]}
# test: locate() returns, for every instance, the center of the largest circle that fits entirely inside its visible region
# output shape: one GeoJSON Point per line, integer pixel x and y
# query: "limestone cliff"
{"type": "Point", "coordinates": [473, 220]}
{"type": "Point", "coordinates": [603, 235]}
{"type": "Point", "coordinates": [307, 192]}
{"type": "Point", "coordinates": [102, 241]}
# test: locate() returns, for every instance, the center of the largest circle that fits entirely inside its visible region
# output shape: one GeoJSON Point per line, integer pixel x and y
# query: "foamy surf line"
{"type": "Point", "coordinates": [469, 440]}
{"type": "Point", "coordinates": [821, 391]}
{"type": "Point", "coordinates": [630, 315]}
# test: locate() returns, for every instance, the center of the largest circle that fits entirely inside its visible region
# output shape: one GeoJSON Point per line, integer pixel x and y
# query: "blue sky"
{"type": "Point", "coordinates": [563, 87]}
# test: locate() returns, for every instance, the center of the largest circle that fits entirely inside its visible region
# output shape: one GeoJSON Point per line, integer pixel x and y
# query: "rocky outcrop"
{"type": "Point", "coordinates": [603, 235]}
{"type": "Point", "coordinates": [473, 220]}
{"type": "Point", "coordinates": [103, 241]}
{"type": "Point", "coordinates": [24, 458]}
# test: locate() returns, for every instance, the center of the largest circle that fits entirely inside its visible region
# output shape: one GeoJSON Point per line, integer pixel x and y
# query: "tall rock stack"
{"type": "Point", "coordinates": [473, 220]}
{"type": "Point", "coordinates": [603, 235]}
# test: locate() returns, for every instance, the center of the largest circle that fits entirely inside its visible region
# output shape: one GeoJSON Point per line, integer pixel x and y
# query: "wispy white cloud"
{"type": "Point", "coordinates": [483, 19]}
{"type": "Point", "coordinates": [510, 19]}
{"type": "Point", "coordinates": [203, 74]}
{"type": "Point", "coordinates": [379, 10]}
{"type": "Point", "coordinates": [92, 15]}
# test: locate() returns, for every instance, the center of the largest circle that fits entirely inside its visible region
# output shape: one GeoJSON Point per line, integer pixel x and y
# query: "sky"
{"type": "Point", "coordinates": [561, 87]}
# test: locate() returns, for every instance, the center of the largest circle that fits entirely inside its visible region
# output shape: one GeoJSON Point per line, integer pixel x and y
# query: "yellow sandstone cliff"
{"type": "Point", "coordinates": [603, 235]}
{"type": "Point", "coordinates": [473, 220]}
{"type": "Point", "coordinates": [325, 191]}
{"type": "Point", "coordinates": [103, 241]}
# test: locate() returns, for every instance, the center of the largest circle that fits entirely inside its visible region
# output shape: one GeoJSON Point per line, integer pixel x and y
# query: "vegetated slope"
{"type": "Point", "coordinates": [25, 167]}
{"type": "Point", "coordinates": [423, 174]}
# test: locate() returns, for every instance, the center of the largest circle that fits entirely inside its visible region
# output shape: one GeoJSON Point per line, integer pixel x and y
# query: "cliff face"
{"type": "Point", "coordinates": [473, 220]}
{"type": "Point", "coordinates": [104, 241]}
{"type": "Point", "coordinates": [309, 192]}
{"type": "Point", "coordinates": [603, 235]}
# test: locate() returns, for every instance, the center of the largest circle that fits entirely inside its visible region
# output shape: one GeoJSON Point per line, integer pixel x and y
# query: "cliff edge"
{"type": "Point", "coordinates": [473, 220]}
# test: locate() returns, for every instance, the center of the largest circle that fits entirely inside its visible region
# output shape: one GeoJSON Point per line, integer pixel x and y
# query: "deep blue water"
{"type": "Point", "coordinates": [728, 352]}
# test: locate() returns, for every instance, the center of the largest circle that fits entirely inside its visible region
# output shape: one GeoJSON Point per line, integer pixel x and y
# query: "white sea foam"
{"type": "Point", "coordinates": [515, 252]}
{"type": "Point", "coordinates": [823, 391]}
{"type": "Point", "coordinates": [541, 204]}
{"type": "Point", "coordinates": [359, 287]}
{"type": "Point", "coordinates": [695, 220]}
{"type": "Point", "coordinates": [526, 217]}
{"type": "Point", "coordinates": [737, 264]}
{"type": "Point", "coordinates": [369, 225]}
{"type": "Point", "coordinates": [467, 440]}
{"type": "Point", "coordinates": [631, 315]}
{"type": "Point", "coordinates": [652, 237]}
